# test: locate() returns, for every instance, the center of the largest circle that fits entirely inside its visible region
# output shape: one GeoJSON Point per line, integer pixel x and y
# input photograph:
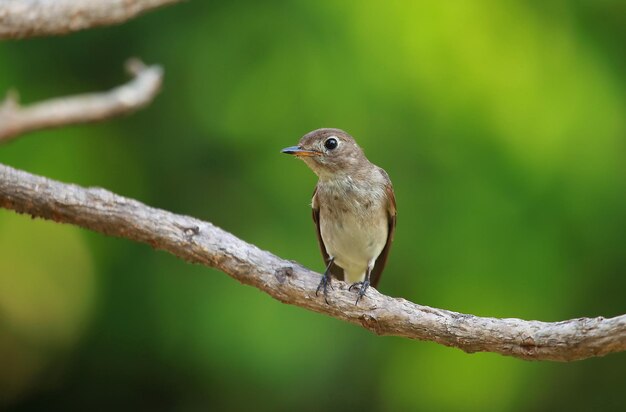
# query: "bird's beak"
{"type": "Point", "coordinates": [298, 151]}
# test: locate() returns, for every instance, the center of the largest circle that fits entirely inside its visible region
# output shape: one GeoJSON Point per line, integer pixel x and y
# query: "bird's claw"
{"type": "Point", "coordinates": [323, 285]}
{"type": "Point", "coordinates": [362, 289]}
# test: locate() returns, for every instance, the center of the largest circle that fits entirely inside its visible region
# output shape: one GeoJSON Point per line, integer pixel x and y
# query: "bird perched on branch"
{"type": "Point", "coordinates": [354, 208]}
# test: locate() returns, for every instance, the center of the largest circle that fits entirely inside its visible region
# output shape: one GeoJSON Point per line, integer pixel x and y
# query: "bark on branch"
{"type": "Point", "coordinates": [30, 18]}
{"type": "Point", "coordinates": [86, 108]}
{"type": "Point", "coordinates": [201, 242]}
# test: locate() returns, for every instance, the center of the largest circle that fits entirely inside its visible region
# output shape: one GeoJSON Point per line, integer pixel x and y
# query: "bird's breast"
{"type": "Point", "coordinates": [353, 226]}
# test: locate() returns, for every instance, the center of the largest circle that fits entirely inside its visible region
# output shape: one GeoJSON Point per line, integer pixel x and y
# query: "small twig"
{"type": "Point", "coordinates": [16, 120]}
{"type": "Point", "coordinates": [30, 18]}
{"type": "Point", "coordinates": [105, 212]}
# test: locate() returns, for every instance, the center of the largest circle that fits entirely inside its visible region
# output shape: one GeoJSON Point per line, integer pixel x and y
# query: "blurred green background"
{"type": "Point", "coordinates": [501, 123]}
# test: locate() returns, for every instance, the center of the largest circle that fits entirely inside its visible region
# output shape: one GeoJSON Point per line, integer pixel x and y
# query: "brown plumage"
{"type": "Point", "coordinates": [354, 208]}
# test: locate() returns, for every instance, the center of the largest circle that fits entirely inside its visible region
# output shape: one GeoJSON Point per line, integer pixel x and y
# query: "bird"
{"type": "Point", "coordinates": [353, 207]}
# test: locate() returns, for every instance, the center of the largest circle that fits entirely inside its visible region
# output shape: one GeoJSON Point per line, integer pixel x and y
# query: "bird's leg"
{"type": "Point", "coordinates": [363, 285]}
{"type": "Point", "coordinates": [325, 282]}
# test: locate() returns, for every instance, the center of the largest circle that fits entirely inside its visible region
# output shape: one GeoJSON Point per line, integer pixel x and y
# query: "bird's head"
{"type": "Point", "coordinates": [329, 152]}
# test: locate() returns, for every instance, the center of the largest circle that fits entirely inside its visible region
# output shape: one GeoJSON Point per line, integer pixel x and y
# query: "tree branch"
{"type": "Point", "coordinates": [86, 108]}
{"type": "Point", "coordinates": [201, 242]}
{"type": "Point", "coordinates": [31, 18]}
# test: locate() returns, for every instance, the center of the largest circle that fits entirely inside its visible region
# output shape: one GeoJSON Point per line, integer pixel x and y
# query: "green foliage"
{"type": "Point", "coordinates": [501, 125]}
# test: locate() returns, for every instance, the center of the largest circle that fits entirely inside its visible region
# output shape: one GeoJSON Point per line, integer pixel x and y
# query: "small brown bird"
{"type": "Point", "coordinates": [354, 208]}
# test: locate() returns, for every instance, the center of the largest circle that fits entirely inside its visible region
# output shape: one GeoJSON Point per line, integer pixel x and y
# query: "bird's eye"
{"type": "Point", "coordinates": [331, 143]}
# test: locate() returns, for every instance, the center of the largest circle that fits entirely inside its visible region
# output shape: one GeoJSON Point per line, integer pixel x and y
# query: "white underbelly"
{"type": "Point", "coordinates": [354, 243]}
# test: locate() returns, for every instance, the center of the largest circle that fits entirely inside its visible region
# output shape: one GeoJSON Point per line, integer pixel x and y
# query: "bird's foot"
{"type": "Point", "coordinates": [324, 284]}
{"type": "Point", "coordinates": [362, 286]}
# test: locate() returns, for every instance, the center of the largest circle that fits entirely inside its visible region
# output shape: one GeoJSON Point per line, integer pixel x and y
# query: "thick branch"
{"type": "Point", "coordinates": [86, 108]}
{"type": "Point", "coordinates": [30, 18]}
{"type": "Point", "coordinates": [201, 242]}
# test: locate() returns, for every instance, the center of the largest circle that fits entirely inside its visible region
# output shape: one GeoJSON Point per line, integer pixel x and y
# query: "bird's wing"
{"type": "Point", "coordinates": [335, 270]}
{"type": "Point", "coordinates": [391, 224]}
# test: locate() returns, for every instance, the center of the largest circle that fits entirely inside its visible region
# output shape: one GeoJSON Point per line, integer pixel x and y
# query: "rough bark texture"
{"type": "Point", "coordinates": [16, 120]}
{"type": "Point", "coordinates": [201, 242]}
{"type": "Point", "coordinates": [30, 18]}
